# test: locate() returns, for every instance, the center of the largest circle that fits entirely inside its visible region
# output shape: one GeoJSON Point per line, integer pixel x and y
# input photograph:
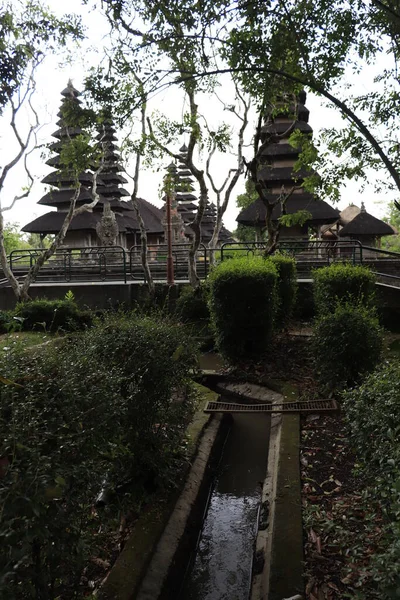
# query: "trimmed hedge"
{"type": "Point", "coordinates": [107, 408]}
{"type": "Point", "coordinates": [243, 305]}
{"type": "Point", "coordinates": [52, 315]}
{"type": "Point", "coordinates": [347, 345]}
{"type": "Point", "coordinates": [343, 282]}
{"type": "Point", "coordinates": [287, 287]}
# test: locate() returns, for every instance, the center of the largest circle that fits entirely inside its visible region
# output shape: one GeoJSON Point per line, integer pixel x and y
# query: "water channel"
{"type": "Point", "coordinates": [221, 566]}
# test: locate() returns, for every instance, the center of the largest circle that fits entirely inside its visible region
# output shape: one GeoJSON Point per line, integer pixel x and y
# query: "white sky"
{"type": "Point", "coordinates": [52, 79]}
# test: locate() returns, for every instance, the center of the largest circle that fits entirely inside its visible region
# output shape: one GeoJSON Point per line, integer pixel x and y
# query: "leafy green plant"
{"type": "Point", "coordinates": [110, 404]}
{"type": "Point", "coordinates": [243, 304]}
{"type": "Point", "coordinates": [287, 287]}
{"type": "Point", "coordinates": [371, 412]}
{"type": "Point", "coordinates": [343, 282]}
{"type": "Point", "coordinates": [347, 345]}
{"type": "Point", "coordinates": [52, 315]}
{"type": "Point", "coordinates": [192, 305]}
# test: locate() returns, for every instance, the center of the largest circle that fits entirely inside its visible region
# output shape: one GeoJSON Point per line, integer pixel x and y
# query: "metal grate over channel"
{"type": "Point", "coordinates": [314, 406]}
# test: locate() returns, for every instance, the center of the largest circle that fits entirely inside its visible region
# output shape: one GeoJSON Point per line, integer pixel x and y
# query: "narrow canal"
{"type": "Point", "coordinates": [222, 563]}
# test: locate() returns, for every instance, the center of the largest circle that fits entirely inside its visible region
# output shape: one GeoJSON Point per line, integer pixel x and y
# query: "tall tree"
{"type": "Point", "coordinates": [29, 32]}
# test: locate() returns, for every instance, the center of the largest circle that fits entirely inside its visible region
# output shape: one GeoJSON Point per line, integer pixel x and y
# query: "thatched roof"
{"type": "Point", "coordinates": [51, 222]}
{"type": "Point", "coordinates": [366, 224]}
{"type": "Point", "coordinates": [349, 213]}
{"type": "Point", "coordinates": [255, 214]}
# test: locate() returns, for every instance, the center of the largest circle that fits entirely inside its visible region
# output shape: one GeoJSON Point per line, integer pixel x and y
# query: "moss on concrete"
{"type": "Point", "coordinates": [286, 573]}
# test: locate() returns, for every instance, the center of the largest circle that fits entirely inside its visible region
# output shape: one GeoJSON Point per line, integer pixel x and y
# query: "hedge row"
{"type": "Point", "coordinates": [347, 337]}
{"type": "Point", "coordinates": [108, 408]}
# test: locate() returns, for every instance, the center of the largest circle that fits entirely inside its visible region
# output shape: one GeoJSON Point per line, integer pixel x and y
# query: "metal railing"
{"type": "Point", "coordinates": [306, 252]}
{"type": "Point", "coordinates": [100, 263]}
{"type": "Point", "coordinates": [157, 261]}
{"type": "Point", "coordinates": [116, 264]}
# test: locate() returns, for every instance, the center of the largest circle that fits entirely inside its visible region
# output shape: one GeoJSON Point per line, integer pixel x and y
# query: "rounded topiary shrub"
{"type": "Point", "coordinates": [287, 287]}
{"type": "Point", "coordinates": [243, 304]}
{"type": "Point", "coordinates": [192, 306]}
{"type": "Point", "coordinates": [343, 282]}
{"type": "Point", "coordinates": [347, 346]}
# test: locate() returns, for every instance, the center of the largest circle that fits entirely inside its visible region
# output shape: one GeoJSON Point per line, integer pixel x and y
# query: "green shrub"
{"type": "Point", "coordinates": [372, 414]}
{"type": "Point", "coordinates": [52, 315]}
{"type": "Point", "coordinates": [347, 345]}
{"type": "Point", "coordinates": [5, 321]}
{"type": "Point", "coordinates": [343, 282]}
{"type": "Point", "coordinates": [243, 304]}
{"type": "Point", "coordinates": [192, 306]}
{"type": "Point", "coordinates": [110, 405]}
{"type": "Point", "coordinates": [287, 287]}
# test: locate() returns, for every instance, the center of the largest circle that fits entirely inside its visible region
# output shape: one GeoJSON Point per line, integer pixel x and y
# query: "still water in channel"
{"type": "Point", "coordinates": [221, 566]}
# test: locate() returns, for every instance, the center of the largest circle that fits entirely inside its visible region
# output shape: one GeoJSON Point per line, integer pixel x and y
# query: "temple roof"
{"type": "Point", "coordinates": [321, 212]}
{"type": "Point", "coordinates": [349, 213]}
{"type": "Point", "coordinates": [366, 224]}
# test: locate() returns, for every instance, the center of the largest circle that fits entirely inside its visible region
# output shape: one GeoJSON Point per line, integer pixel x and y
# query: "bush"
{"type": "Point", "coordinates": [52, 315]}
{"type": "Point", "coordinates": [343, 282]}
{"type": "Point", "coordinates": [287, 287]}
{"type": "Point", "coordinates": [192, 306]}
{"type": "Point", "coordinates": [372, 415]}
{"type": "Point", "coordinates": [6, 321]}
{"type": "Point", "coordinates": [111, 406]}
{"type": "Point", "coordinates": [243, 303]}
{"type": "Point", "coordinates": [347, 345]}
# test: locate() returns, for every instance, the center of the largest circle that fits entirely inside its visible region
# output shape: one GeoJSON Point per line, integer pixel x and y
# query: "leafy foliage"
{"type": "Point", "coordinates": [243, 304]}
{"type": "Point", "coordinates": [52, 315]}
{"type": "Point", "coordinates": [287, 287]}
{"type": "Point", "coordinates": [109, 405]}
{"type": "Point", "coordinates": [192, 305]}
{"type": "Point", "coordinates": [27, 30]}
{"type": "Point", "coordinates": [347, 345]}
{"type": "Point", "coordinates": [343, 282]}
{"type": "Point", "coordinates": [372, 420]}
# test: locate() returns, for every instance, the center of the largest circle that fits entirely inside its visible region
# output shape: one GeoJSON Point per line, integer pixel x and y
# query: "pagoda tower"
{"type": "Point", "coordinates": [115, 211]}
{"type": "Point", "coordinates": [82, 231]}
{"type": "Point", "coordinates": [187, 203]}
{"type": "Point", "coordinates": [276, 176]}
{"type": "Point", "coordinates": [178, 228]}
{"type": "Point", "coordinates": [184, 188]}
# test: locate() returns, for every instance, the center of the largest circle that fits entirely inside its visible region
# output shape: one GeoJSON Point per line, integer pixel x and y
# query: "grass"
{"type": "Point", "coordinates": [24, 339]}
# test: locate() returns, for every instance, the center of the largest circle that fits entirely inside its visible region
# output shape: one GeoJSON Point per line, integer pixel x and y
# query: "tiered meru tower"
{"type": "Point", "coordinates": [112, 221]}
{"type": "Point", "coordinates": [186, 205]}
{"type": "Point", "coordinates": [276, 177]}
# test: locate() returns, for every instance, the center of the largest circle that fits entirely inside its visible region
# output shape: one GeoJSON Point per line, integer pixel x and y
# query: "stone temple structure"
{"type": "Point", "coordinates": [276, 176]}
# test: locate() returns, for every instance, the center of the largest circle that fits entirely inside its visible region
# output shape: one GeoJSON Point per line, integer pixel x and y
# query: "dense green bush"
{"type": "Point", "coordinates": [5, 321]}
{"type": "Point", "coordinates": [243, 304]}
{"type": "Point", "coordinates": [287, 287]}
{"type": "Point", "coordinates": [372, 414]}
{"type": "Point", "coordinates": [52, 315]}
{"type": "Point", "coordinates": [343, 282]}
{"type": "Point", "coordinates": [108, 406]}
{"type": "Point", "coordinates": [192, 305]}
{"type": "Point", "coordinates": [347, 345]}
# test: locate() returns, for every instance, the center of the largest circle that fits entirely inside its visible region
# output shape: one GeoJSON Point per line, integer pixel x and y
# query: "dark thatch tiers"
{"type": "Point", "coordinates": [365, 224]}
{"type": "Point", "coordinates": [255, 214]}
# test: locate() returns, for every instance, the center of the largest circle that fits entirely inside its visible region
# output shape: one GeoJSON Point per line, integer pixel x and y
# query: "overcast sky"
{"type": "Point", "coordinates": [53, 77]}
